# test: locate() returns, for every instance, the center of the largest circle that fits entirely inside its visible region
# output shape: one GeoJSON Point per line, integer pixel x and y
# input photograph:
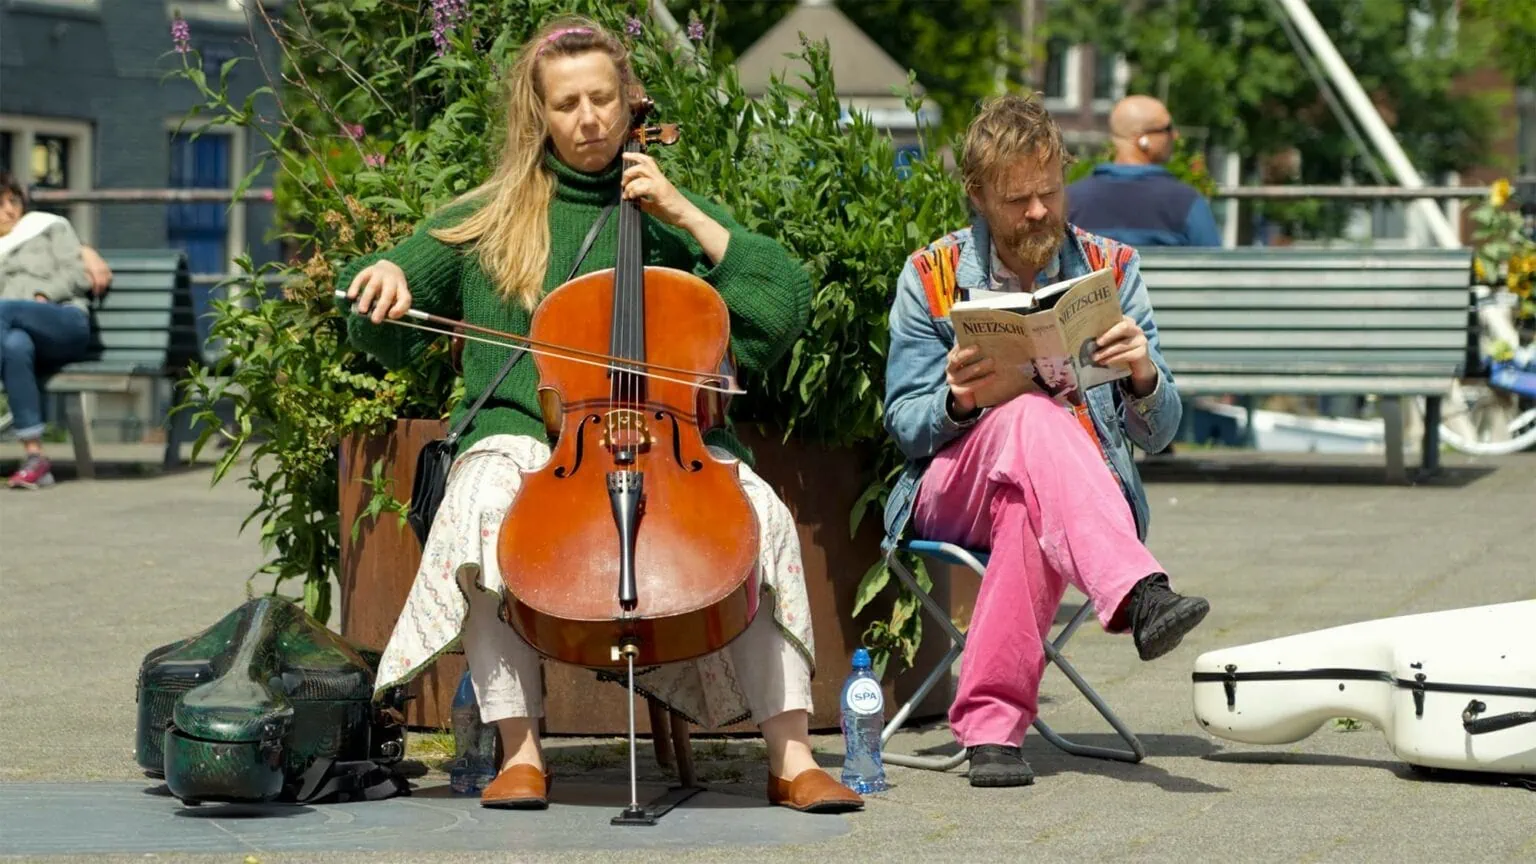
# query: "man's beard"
{"type": "Point", "coordinates": [1034, 244]}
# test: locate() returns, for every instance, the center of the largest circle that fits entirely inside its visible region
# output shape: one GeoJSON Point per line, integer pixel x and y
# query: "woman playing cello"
{"type": "Point", "coordinates": [489, 259]}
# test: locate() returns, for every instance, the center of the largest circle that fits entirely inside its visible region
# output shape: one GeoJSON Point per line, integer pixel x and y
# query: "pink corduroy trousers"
{"type": "Point", "coordinates": [1029, 484]}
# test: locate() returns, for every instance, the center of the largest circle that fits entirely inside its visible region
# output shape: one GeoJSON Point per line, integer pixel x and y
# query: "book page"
{"type": "Point", "coordinates": [1083, 313]}
{"type": "Point", "coordinates": [1005, 338]}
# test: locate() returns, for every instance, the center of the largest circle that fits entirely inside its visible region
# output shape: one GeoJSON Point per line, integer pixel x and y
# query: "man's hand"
{"type": "Point", "coordinates": [967, 370]}
{"type": "Point", "coordinates": [1125, 344]}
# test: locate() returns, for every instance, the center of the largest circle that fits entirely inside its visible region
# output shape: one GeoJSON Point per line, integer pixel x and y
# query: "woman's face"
{"type": "Point", "coordinates": [10, 212]}
{"type": "Point", "coordinates": [586, 117]}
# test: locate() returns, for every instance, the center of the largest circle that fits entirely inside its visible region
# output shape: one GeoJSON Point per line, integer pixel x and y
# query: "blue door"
{"type": "Point", "coordinates": [200, 229]}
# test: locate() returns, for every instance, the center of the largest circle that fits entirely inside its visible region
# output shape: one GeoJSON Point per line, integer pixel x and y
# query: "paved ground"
{"type": "Point", "coordinates": [96, 574]}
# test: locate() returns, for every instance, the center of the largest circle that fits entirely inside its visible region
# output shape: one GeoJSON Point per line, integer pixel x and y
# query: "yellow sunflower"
{"type": "Point", "coordinates": [1498, 194]}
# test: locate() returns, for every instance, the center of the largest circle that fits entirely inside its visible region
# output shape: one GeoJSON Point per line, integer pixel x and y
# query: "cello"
{"type": "Point", "coordinates": [633, 544]}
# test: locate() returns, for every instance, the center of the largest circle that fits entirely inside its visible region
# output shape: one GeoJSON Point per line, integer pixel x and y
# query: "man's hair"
{"type": "Point", "coordinates": [1008, 128]}
{"type": "Point", "coordinates": [9, 187]}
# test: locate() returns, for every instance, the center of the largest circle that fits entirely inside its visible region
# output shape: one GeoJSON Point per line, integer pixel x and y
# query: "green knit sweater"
{"type": "Point", "coordinates": [767, 292]}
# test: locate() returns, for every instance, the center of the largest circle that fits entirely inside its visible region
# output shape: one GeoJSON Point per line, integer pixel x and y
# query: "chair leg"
{"type": "Point", "coordinates": [172, 457]}
{"type": "Point", "coordinates": [661, 732]}
{"type": "Point", "coordinates": [1392, 427]}
{"type": "Point", "coordinates": [1136, 753]}
{"type": "Point", "coordinates": [1431, 455]}
{"type": "Point", "coordinates": [79, 420]}
{"type": "Point", "coordinates": [957, 647]}
{"type": "Point", "coordinates": [682, 749]}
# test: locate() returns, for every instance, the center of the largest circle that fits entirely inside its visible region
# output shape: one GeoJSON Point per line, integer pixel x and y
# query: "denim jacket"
{"type": "Point", "coordinates": [921, 337]}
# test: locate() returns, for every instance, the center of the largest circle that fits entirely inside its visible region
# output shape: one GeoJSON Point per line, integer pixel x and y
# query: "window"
{"type": "Point", "coordinates": [212, 233]}
{"type": "Point", "coordinates": [202, 229]}
{"type": "Point", "coordinates": [1061, 77]}
{"type": "Point", "coordinates": [49, 153]}
{"type": "Point", "coordinates": [1110, 76]}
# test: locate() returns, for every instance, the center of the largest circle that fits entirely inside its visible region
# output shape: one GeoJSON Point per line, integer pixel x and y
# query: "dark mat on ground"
{"type": "Point", "coordinates": [142, 817]}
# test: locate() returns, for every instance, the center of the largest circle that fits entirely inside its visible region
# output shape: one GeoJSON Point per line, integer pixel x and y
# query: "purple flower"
{"type": "Point", "coordinates": [633, 26]}
{"type": "Point", "coordinates": [181, 35]}
{"type": "Point", "coordinates": [354, 131]}
{"type": "Point", "coordinates": [374, 160]}
{"type": "Point", "coordinates": [696, 30]}
{"type": "Point", "coordinates": [445, 14]}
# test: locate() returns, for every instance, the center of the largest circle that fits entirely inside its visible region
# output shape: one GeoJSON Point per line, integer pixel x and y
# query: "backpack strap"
{"type": "Point", "coordinates": [355, 781]}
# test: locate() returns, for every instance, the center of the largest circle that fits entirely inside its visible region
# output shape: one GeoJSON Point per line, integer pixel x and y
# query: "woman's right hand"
{"type": "Point", "coordinates": [380, 288]}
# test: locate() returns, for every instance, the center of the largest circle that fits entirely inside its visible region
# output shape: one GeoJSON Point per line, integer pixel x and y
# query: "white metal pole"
{"type": "Point", "coordinates": [1354, 96]}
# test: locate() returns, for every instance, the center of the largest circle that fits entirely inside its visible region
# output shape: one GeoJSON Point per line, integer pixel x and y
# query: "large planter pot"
{"type": "Point", "coordinates": [378, 567]}
{"type": "Point", "coordinates": [818, 485]}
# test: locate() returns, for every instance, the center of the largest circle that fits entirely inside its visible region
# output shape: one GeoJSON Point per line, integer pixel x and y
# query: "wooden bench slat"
{"type": "Point", "coordinates": [1165, 299]}
{"type": "Point", "coordinates": [1271, 280]}
{"type": "Point", "coordinates": [1312, 319]}
{"type": "Point", "coordinates": [1263, 385]}
{"type": "Point", "coordinates": [1270, 356]}
{"type": "Point", "coordinates": [1290, 258]}
{"type": "Point", "coordinates": [1193, 338]}
{"type": "Point", "coordinates": [133, 319]}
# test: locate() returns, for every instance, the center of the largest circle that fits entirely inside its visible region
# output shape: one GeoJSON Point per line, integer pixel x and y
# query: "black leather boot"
{"type": "Point", "coordinates": [1160, 617]}
{"type": "Point", "coordinates": [999, 765]}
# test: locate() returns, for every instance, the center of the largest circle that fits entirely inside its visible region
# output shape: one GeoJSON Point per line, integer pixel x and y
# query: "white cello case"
{"type": "Point", "coordinates": [1452, 690]}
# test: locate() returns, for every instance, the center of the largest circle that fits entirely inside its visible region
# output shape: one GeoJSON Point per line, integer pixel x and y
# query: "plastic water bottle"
{"type": "Point", "coordinates": [863, 710]}
{"type": "Point", "coordinates": [474, 744]}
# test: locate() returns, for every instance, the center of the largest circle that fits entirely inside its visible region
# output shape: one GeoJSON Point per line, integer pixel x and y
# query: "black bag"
{"type": "Point", "coordinates": [432, 465]}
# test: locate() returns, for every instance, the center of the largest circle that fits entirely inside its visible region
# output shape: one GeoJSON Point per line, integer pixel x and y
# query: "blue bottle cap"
{"type": "Point", "coordinates": [861, 659]}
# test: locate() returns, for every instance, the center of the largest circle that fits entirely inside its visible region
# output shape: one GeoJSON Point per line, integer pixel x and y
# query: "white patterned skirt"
{"type": "Point", "coordinates": [461, 555]}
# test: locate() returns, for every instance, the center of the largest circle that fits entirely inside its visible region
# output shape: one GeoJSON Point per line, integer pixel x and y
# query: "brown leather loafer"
{"type": "Point", "coordinates": [518, 787]}
{"type": "Point", "coordinates": [813, 791]}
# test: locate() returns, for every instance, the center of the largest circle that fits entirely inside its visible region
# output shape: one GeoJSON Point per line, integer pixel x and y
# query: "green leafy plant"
{"type": "Point", "coordinates": [384, 114]}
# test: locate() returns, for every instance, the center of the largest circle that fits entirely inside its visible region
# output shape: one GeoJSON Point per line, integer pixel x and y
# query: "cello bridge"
{"type": "Point", "coordinates": [625, 431]}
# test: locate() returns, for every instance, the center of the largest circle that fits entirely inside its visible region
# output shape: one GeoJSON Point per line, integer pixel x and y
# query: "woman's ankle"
{"type": "Point", "coordinates": [520, 742]}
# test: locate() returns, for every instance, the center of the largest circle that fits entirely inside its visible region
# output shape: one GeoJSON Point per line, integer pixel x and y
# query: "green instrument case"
{"type": "Point", "coordinates": [268, 705]}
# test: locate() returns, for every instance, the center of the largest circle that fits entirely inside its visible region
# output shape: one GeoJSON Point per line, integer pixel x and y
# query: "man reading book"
{"type": "Point", "coordinates": [1049, 488]}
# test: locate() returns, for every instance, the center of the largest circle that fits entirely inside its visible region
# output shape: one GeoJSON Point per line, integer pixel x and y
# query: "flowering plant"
{"type": "Point", "coordinates": [1505, 257]}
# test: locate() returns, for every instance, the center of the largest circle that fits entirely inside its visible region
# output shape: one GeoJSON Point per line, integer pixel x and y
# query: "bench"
{"type": "Point", "coordinates": [143, 328]}
{"type": "Point", "coordinates": [1264, 321]}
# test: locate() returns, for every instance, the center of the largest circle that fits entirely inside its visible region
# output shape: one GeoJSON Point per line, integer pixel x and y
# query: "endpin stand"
{"type": "Point", "coordinates": [634, 814]}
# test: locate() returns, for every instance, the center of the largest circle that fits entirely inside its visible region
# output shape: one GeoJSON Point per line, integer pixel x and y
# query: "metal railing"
{"type": "Point", "coordinates": [264, 195]}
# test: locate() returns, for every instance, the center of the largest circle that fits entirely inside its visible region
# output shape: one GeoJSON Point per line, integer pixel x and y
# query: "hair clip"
{"type": "Point", "coordinates": [548, 40]}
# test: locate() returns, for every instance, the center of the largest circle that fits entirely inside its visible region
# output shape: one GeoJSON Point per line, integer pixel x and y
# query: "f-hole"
{"type": "Point", "coordinates": [564, 472]}
{"type": "Point", "coordinates": [677, 445]}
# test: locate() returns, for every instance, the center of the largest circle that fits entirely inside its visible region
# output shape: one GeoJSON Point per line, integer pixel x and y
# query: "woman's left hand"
{"type": "Point", "coordinates": [644, 183]}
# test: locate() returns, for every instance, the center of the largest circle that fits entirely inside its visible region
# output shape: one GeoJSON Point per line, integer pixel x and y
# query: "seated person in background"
{"type": "Point", "coordinates": [1054, 502]}
{"type": "Point", "coordinates": [46, 279]}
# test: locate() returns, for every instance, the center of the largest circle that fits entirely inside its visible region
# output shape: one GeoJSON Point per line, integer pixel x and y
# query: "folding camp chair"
{"type": "Point", "coordinates": [952, 554]}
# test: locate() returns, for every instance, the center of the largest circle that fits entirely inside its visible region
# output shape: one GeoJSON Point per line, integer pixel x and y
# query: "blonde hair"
{"type": "Point", "coordinates": [510, 232]}
{"type": "Point", "coordinates": [1006, 129]}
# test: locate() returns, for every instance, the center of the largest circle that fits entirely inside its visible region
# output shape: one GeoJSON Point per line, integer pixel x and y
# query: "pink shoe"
{"type": "Point", "coordinates": [35, 473]}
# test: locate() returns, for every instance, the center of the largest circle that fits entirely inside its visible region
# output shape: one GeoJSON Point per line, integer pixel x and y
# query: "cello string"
{"type": "Point", "coordinates": [730, 391]}
{"type": "Point", "coordinates": [620, 387]}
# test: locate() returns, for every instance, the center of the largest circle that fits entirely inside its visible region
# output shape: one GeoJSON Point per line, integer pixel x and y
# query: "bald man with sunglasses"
{"type": "Point", "coordinates": [1135, 199]}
